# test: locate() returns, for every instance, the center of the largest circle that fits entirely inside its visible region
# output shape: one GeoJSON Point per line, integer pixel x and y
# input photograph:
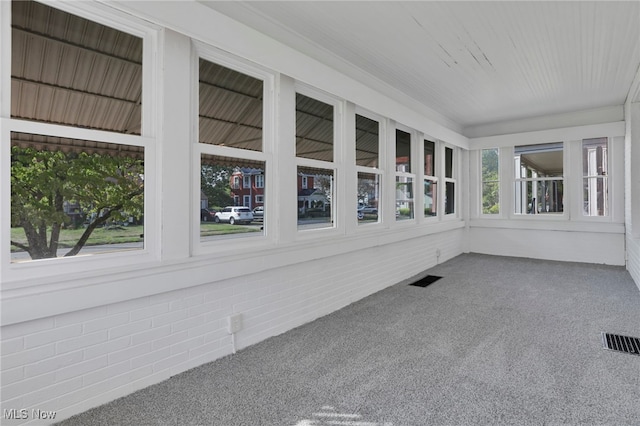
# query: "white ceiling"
{"type": "Point", "coordinates": [473, 62]}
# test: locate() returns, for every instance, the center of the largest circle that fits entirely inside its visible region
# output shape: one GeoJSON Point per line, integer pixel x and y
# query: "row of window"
{"type": "Point", "coordinates": [84, 191]}
{"type": "Point", "coordinates": [539, 181]}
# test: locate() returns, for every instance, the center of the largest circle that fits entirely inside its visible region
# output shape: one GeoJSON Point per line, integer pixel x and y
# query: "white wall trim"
{"type": "Point", "coordinates": [549, 225]}
{"type": "Point", "coordinates": [557, 121]}
{"type": "Point", "coordinates": [612, 129]}
{"type": "Point", "coordinates": [549, 244]}
{"type": "Point", "coordinates": [634, 89]}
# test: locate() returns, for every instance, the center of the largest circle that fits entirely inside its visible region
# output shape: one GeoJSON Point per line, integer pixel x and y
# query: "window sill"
{"type": "Point", "coordinates": [26, 300]}
{"type": "Point", "coordinates": [549, 224]}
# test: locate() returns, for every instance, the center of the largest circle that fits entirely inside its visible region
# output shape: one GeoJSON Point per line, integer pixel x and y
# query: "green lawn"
{"type": "Point", "coordinates": [109, 235]}
{"type": "Point", "coordinates": [208, 229]}
{"type": "Point", "coordinates": [127, 234]}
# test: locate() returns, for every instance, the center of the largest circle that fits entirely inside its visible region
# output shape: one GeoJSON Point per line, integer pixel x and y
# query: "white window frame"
{"type": "Point", "coordinates": [336, 166]}
{"type": "Point", "coordinates": [236, 182]}
{"type": "Point", "coordinates": [437, 147]}
{"type": "Point", "coordinates": [482, 181]}
{"type": "Point", "coordinates": [236, 242]}
{"type": "Point", "coordinates": [572, 218]}
{"type": "Point", "coordinates": [605, 178]}
{"type": "Point", "coordinates": [378, 171]}
{"type": "Point", "coordinates": [407, 175]}
{"type": "Point", "coordinates": [32, 273]}
{"type": "Point", "coordinates": [455, 167]}
{"type": "Point", "coordinates": [259, 181]}
{"type": "Point", "coordinates": [568, 188]}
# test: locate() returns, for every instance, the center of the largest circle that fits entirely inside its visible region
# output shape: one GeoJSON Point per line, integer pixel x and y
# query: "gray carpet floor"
{"type": "Point", "coordinates": [496, 341]}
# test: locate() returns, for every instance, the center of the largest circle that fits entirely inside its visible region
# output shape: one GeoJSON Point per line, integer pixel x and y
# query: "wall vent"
{"type": "Point", "coordinates": [616, 342]}
{"type": "Point", "coordinates": [423, 282]}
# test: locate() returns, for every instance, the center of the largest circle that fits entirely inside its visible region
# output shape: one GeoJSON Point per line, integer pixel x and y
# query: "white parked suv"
{"type": "Point", "coordinates": [234, 215]}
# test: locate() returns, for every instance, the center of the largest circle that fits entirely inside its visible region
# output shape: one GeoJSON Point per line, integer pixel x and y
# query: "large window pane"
{"type": "Point", "coordinates": [71, 196]}
{"type": "Point", "coordinates": [404, 198]}
{"type": "Point", "coordinates": [368, 197]}
{"type": "Point", "coordinates": [231, 197]}
{"type": "Point", "coordinates": [431, 180]}
{"type": "Point", "coordinates": [544, 160]}
{"type": "Point", "coordinates": [403, 151]}
{"type": "Point", "coordinates": [539, 184]}
{"type": "Point", "coordinates": [314, 129]}
{"type": "Point", "coordinates": [450, 198]}
{"type": "Point", "coordinates": [430, 197]}
{"type": "Point", "coordinates": [429, 158]}
{"type": "Point", "coordinates": [315, 196]}
{"type": "Point", "coordinates": [72, 71]}
{"type": "Point", "coordinates": [490, 181]}
{"type": "Point", "coordinates": [541, 196]}
{"type": "Point", "coordinates": [74, 196]}
{"type": "Point", "coordinates": [595, 155]}
{"type": "Point", "coordinates": [449, 181]}
{"type": "Point", "coordinates": [448, 163]}
{"type": "Point", "coordinates": [367, 141]}
{"type": "Point", "coordinates": [230, 107]}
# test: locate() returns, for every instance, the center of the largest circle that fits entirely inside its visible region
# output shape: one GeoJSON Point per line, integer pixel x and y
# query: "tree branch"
{"type": "Point", "coordinates": [87, 232]}
{"type": "Point", "coordinates": [99, 221]}
{"type": "Point", "coordinates": [20, 245]}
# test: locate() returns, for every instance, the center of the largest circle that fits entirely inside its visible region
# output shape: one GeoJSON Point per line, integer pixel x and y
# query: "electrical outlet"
{"type": "Point", "coordinates": [234, 323]}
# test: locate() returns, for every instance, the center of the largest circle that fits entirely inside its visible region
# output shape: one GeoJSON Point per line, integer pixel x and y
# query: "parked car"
{"type": "Point", "coordinates": [258, 214]}
{"type": "Point", "coordinates": [234, 215]}
{"type": "Point", "coordinates": [366, 210]}
{"type": "Point", "coordinates": [206, 215]}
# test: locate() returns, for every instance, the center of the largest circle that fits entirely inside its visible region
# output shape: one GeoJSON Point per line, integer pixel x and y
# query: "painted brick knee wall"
{"type": "Point", "coordinates": [72, 362]}
{"type": "Point", "coordinates": [633, 258]}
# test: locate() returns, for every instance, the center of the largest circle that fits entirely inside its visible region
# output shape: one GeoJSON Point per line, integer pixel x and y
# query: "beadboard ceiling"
{"type": "Point", "coordinates": [473, 62]}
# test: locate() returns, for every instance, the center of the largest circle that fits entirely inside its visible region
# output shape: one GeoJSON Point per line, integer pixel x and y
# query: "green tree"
{"type": "Point", "coordinates": [106, 187]}
{"type": "Point", "coordinates": [367, 188]}
{"type": "Point", "coordinates": [214, 182]}
{"type": "Point", "coordinates": [324, 184]}
{"type": "Point", "coordinates": [490, 182]}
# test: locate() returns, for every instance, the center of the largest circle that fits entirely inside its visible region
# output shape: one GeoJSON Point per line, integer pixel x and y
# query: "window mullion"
{"type": "Point", "coordinates": [418, 191]}
{"type": "Point", "coordinates": [349, 186]}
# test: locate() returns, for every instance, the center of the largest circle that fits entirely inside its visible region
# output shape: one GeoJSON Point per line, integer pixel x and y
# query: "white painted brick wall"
{"type": "Point", "coordinates": [74, 361]}
{"type": "Point", "coordinates": [633, 258]}
{"type": "Point", "coordinates": [91, 339]}
{"type": "Point", "coordinates": [54, 335]}
{"type": "Point", "coordinates": [591, 247]}
{"type": "Point", "coordinates": [631, 191]}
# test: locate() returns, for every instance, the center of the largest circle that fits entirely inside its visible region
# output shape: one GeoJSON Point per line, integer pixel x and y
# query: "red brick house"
{"type": "Point", "coordinates": [247, 187]}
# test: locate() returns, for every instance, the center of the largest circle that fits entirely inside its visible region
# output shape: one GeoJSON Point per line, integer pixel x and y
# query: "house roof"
{"type": "Point", "coordinates": [306, 192]}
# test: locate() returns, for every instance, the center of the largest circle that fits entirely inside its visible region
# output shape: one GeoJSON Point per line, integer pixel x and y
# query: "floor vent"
{"type": "Point", "coordinates": [616, 342]}
{"type": "Point", "coordinates": [423, 282]}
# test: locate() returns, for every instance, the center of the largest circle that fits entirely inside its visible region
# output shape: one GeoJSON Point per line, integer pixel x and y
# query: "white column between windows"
{"type": "Point", "coordinates": [284, 199]}
{"type": "Point", "coordinates": [350, 184]}
{"type": "Point", "coordinates": [175, 146]}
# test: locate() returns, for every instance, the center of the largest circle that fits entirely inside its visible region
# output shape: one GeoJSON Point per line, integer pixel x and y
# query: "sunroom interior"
{"type": "Point", "coordinates": [380, 139]}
